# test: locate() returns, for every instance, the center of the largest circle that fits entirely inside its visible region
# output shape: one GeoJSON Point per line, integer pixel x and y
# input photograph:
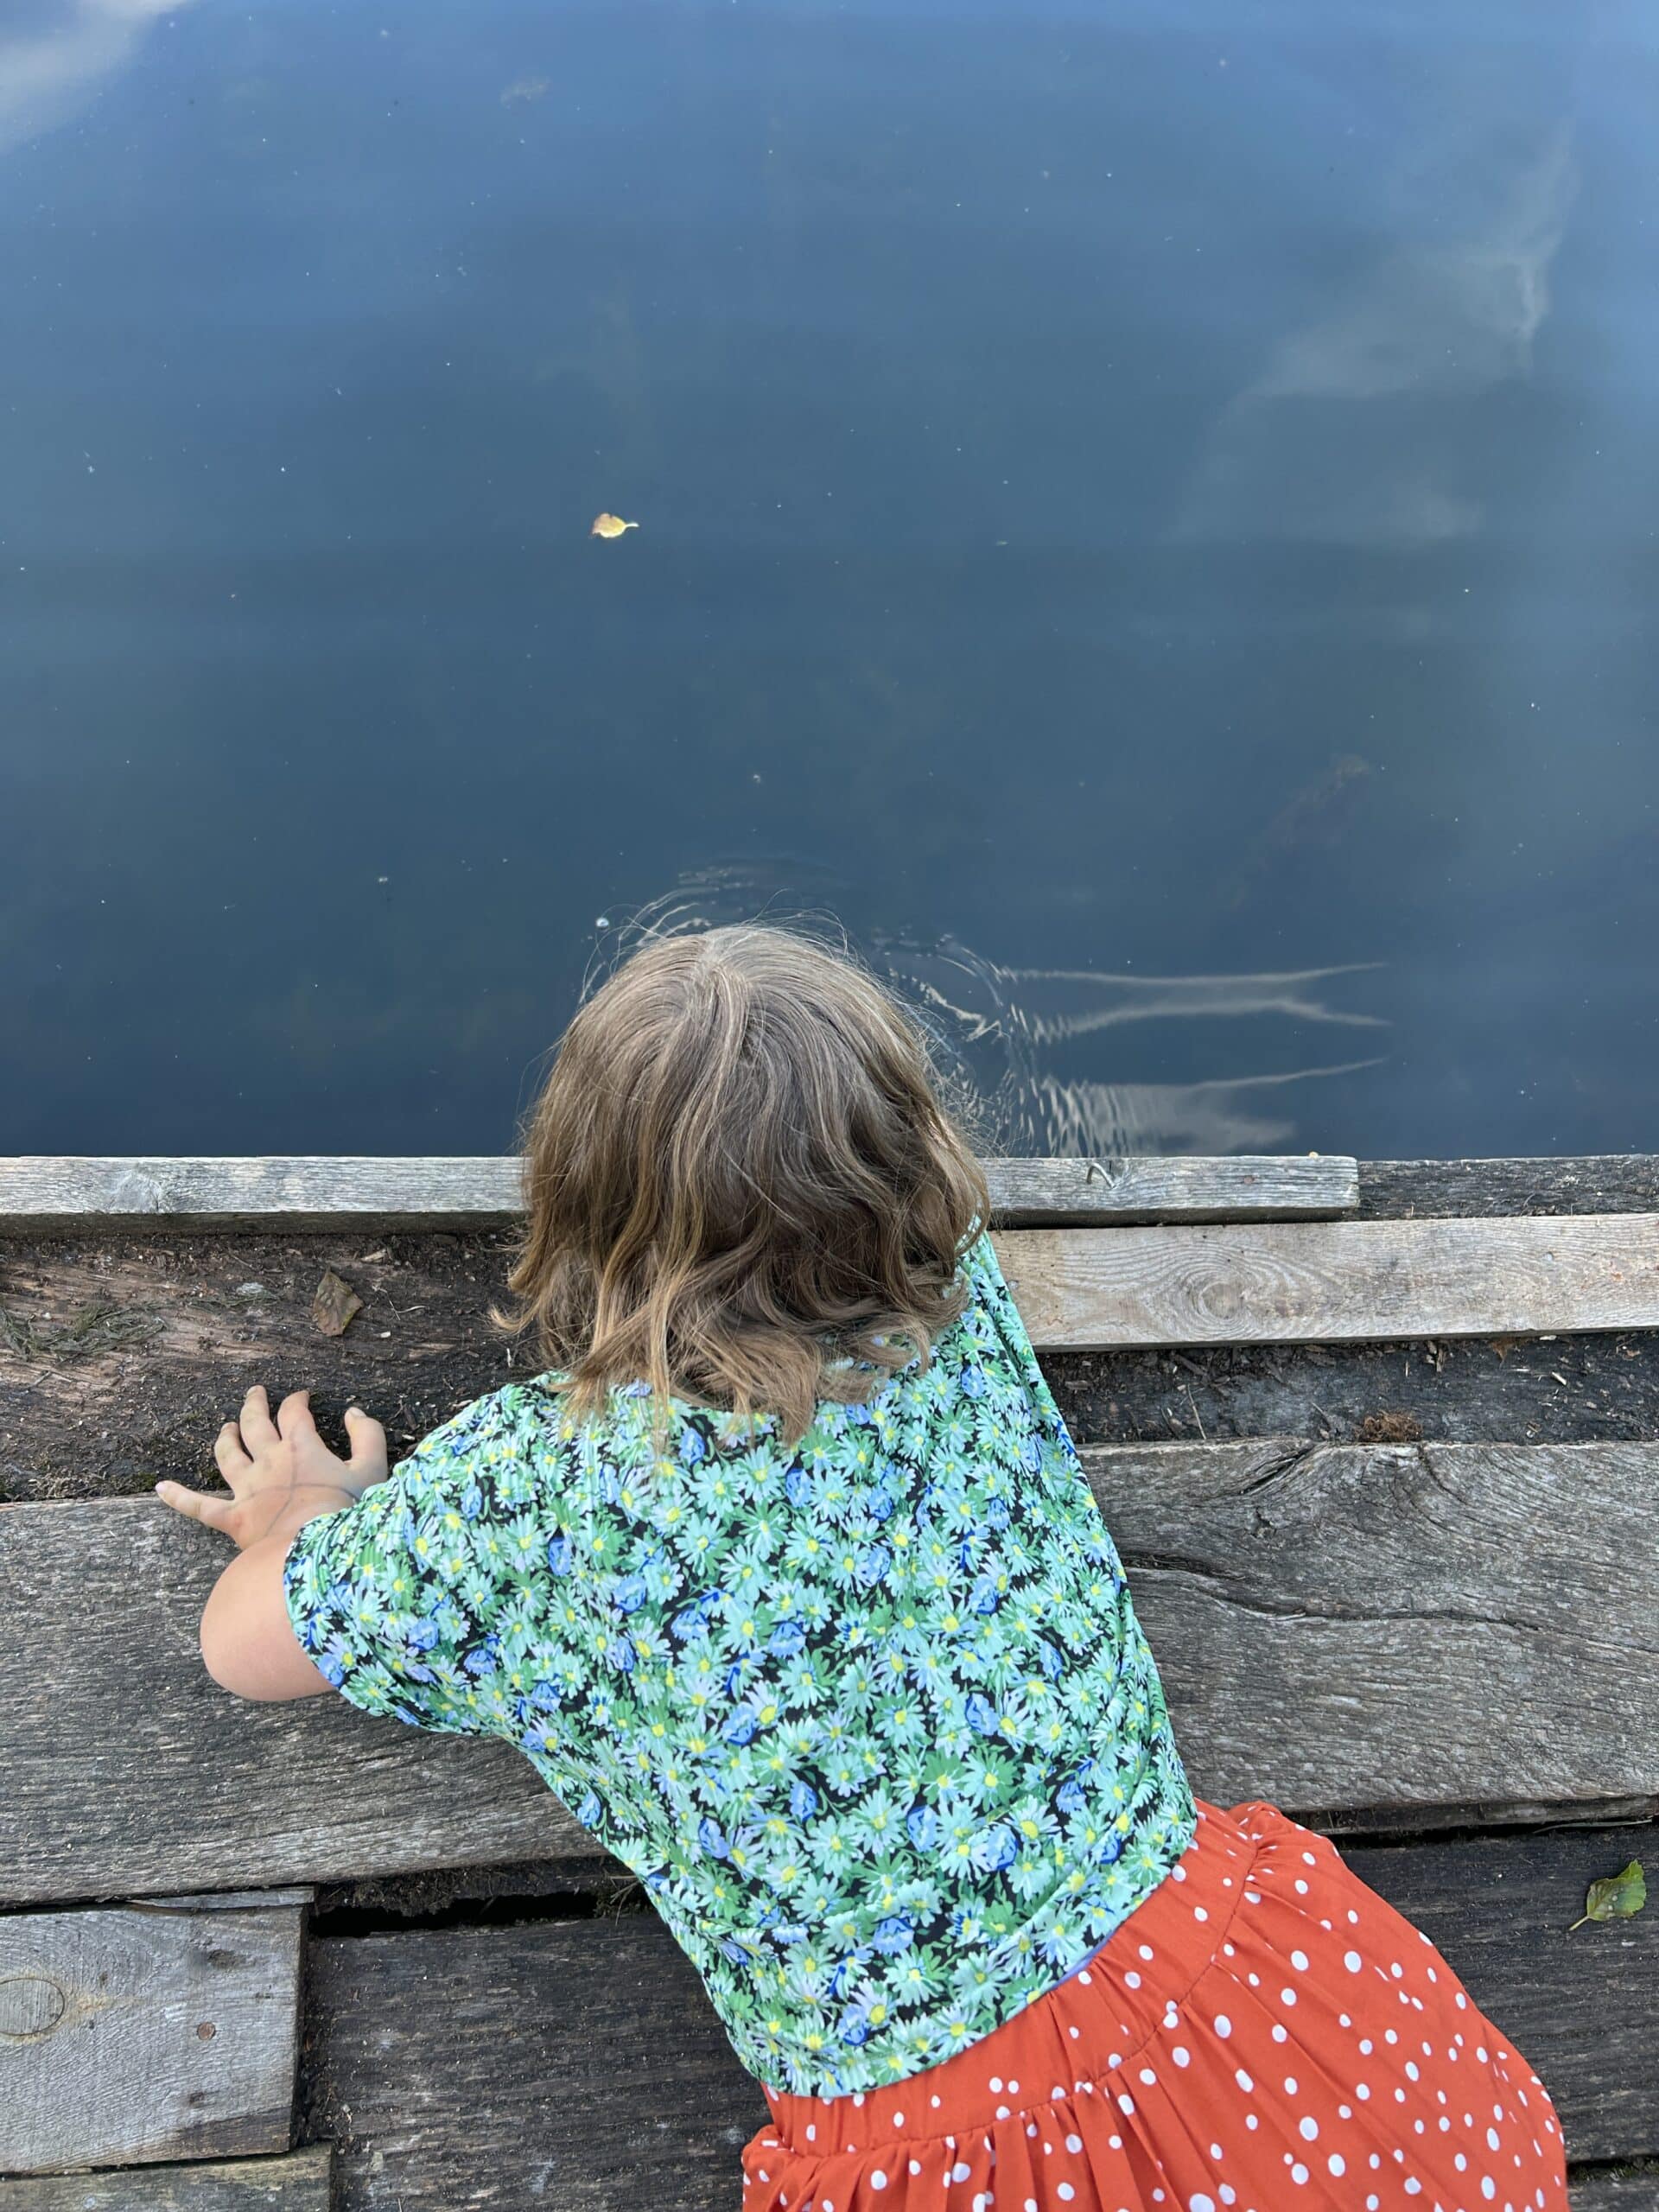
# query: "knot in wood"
{"type": "Point", "coordinates": [31, 2005]}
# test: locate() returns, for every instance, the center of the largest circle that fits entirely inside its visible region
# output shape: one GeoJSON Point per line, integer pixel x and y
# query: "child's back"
{"type": "Point", "coordinates": [785, 1576]}
{"type": "Point", "coordinates": [870, 1716]}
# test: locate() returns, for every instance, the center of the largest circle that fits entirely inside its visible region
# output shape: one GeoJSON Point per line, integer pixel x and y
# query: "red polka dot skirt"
{"type": "Point", "coordinates": [1264, 2032]}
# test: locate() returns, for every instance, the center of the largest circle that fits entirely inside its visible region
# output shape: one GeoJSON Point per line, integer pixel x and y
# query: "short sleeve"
{"type": "Point", "coordinates": [394, 1598]}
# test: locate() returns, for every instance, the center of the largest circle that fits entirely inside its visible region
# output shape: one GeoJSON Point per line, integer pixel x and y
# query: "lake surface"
{"type": "Point", "coordinates": [1147, 516]}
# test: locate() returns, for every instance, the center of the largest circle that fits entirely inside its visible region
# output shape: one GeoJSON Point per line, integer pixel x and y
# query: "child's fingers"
{"type": "Point", "coordinates": [230, 1454]}
{"type": "Point", "coordinates": [258, 1429]}
{"type": "Point", "coordinates": [368, 1438]}
{"type": "Point", "coordinates": [193, 1505]}
{"type": "Point", "coordinates": [294, 1416]}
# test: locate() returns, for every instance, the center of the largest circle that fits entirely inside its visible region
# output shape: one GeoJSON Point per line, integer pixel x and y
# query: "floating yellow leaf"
{"type": "Point", "coordinates": [610, 526]}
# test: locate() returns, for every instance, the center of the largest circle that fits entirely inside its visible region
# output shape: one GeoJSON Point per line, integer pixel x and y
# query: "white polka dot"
{"type": "Point", "coordinates": [959, 2171]}
{"type": "Point", "coordinates": [1287, 1997]}
{"type": "Point", "coordinates": [1133, 1978]}
{"type": "Point", "coordinates": [915, 2165]}
{"type": "Point", "coordinates": [1200, 2204]}
{"type": "Point", "coordinates": [1352, 1960]}
{"type": "Point", "coordinates": [1181, 2056]}
{"type": "Point", "coordinates": [1299, 2173]}
{"type": "Point", "coordinates": [877, 2179]}
{"type": "Point", "coordinates": [1074, 2144]}
{"type": "Point", "coordinates": [1243, 2081]}
{"type": "Point", "coordinates": [1199, 1913]}
{"type": "Point", "coordinates": [1298, 1960]}
{"type": "Point", "coordinates": [995, 2081]}
{"type": "Point", "coordinates": [897, 2119]}
{"type": "Point", "coordinates": [1146, 1950]}
{"type": "Point", "coordinates": [1014, 2088]}
{"type": "Point", "coordinates": [1066, 2192]}
{"type": "Point", "coordinates": [1147, 2076]}
{"type": "Point", "coordinates": [1337, 2164]}
{"type": "Point", "coordinates": [1309, 2128]}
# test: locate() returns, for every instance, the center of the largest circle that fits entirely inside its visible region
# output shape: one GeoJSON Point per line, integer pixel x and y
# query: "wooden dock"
{"type": "Point", "coordinates": [1379, 1445]}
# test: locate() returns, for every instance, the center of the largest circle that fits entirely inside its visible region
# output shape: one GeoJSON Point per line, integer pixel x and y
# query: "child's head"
{"type": "Point", "coordinates": [737, 1170]}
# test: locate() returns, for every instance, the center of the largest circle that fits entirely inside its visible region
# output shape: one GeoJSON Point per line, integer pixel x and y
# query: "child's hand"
{"type": "Point", "coordinates": [281, 1472]}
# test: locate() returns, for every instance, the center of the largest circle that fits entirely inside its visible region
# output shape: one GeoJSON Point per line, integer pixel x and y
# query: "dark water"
{"type": "Point", "coordinates": [1146, 511]}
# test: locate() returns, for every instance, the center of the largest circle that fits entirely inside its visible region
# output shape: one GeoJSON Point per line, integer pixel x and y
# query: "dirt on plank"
{"type": "Point", "coordinates": [121, 1358]}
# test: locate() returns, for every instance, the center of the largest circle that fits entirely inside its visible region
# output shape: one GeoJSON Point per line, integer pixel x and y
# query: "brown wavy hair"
{"type": "Point", "coordinates": [738, 1172]}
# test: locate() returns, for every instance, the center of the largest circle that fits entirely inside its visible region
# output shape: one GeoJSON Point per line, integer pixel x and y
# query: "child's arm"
{"type": "Point", "coordinates": [281, 1475]}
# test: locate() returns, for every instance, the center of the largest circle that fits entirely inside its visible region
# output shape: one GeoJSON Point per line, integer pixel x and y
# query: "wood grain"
{"type": "Point", "coordinates": [54, 1195]}
{"type": "Point", "coordinates": [409, 2060]}
{"type": "Point", "coordinates": [1353, 1631]}
{"type": "Point", "coordinates": [1627, 2188]}
{"type": "Point", "coordinates": [147, 2033]}
{"type": "Point", "coordinates": [298, 2182]}
{"type": "Point", "coordinates": [46, 1195]}
{"type": "Point", "coordinates": [1333, 1281]}
{"type": "Point", "coordinates": [1438, 1621]}
{"type": "Point", "coordinates": [130, 1772]}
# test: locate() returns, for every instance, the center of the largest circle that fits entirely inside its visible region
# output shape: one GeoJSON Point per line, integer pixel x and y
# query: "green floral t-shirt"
{"type": "Point", "coordinates": [872, 1719]}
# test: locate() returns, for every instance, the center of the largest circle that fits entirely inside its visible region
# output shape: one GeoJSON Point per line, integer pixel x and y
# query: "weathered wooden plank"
{"type": "Point", "coordinates": [1596, 1182]}
{"type": "Point", "coordinates": [1327, 1282]}
{"type": "Point", "coordinates": [465, 2088]}
{"type": "Point", "coordinates": [1441, 1620]}
{"type": "Point", "coordinates": [48, 1195]}
{"type": "Point", "coordinates": [1616, 2188]}
{"type": "Point", "coordinates": [1353, 1631]}
{"type": "Point", "coordinates": [1116, 1193]}
{"type": "Point", "coordinates": [53, 1195]}
{"type": "Point", "coordinates": [129, 1771]}
{"type": "Point", "coordinates": [299, 2183]}
{"type": "Point", "coordinates": [147, 2033]}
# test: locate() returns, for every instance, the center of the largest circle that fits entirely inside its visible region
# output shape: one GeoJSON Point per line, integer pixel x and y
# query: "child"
{"type": "Point", "coordinates": [787, 1578]}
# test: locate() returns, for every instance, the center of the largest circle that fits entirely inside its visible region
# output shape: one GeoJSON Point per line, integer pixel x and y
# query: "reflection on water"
{"type": "Point", "coordinates": [994, 1032]}
{"type": "Point", "coordinates": [55, 56]}
{"type": "Point", "coordinates": [1147, 514]}
{"type": "Point", "coordinates": [1448, 309]}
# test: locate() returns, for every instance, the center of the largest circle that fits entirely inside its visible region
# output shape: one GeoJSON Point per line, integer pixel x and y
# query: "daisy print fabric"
{"type": "Point", "coordinates": [872, 1719]}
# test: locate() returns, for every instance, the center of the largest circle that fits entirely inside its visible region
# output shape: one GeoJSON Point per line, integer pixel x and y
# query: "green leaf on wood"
{"type": "Point", "coordinates": [1617, 1897]}
{"type": "Point", "coordinates": [333, 1305]}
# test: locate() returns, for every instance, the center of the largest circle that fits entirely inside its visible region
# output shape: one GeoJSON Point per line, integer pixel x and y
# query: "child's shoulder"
{"type": "Point", "coordinates": [521, 1423]}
